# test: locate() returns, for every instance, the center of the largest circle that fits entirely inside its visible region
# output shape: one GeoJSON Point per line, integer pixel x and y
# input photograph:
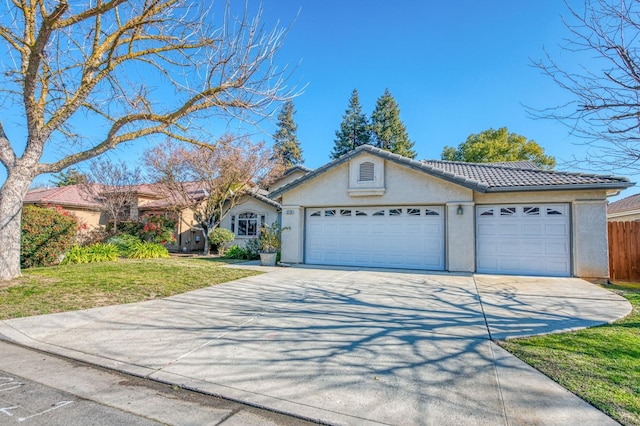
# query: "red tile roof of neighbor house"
{"type": "Point", "coordinates": [82, 197]}
{"type": "Point", "coordinates": [72, 195]}
{"type": "Point", "coordinates": [629, 203]}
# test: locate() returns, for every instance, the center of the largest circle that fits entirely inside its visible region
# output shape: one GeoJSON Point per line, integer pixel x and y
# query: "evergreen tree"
{"type": "Point", "coordinates": [287, 147]}
{"type": "Point", "coordinates": [70, 176]}
{"type": "Point", "coordinates": [354, 129]}
{"type": "Point", "coordinates": [387, 130]}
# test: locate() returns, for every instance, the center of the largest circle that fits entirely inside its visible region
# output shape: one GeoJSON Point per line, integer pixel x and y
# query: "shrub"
{"type": "Point", "coordinates": [76, 254]}
{"type": "Point", "coordinates": [147, 250]}
{"type": "Point", "coordinates": [218, 237]}
{"type": "Point", "coordinates": [101, 252]}
{"type": "Point", "coordinates": [249, 252]}
{"type": "Point", "coordinates": [252, 248]}
{"type": "Point", "coordinates": [235, 252]}
{"type": "Point", "coordinates": [157, 228]}
{"type": "Point", "coordinates": [130, 228]}
{"type": "Point", "coordinates": [124, 243]}
{"type": "Point", "coordinates": [270, 236]}
{"type": "Point", "coordinates": [46, 235]}
{"type": "Point", "coordinates": [98, 252]}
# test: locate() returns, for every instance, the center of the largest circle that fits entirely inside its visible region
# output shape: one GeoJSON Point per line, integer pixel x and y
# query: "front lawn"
{"type": "Point", "coordinates": [81, 286]}
{"type": "Point", "coordinates": [599, 364]}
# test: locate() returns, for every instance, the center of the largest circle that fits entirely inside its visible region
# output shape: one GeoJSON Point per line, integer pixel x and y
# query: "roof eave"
{"type": "Point", "coordinates": [575, 186]}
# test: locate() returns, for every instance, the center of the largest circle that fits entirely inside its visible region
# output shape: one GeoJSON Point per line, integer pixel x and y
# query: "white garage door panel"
{"type": "Point", "coordinates": [524, 239]}
{"type": "Point", "coordinates": [396, 237]}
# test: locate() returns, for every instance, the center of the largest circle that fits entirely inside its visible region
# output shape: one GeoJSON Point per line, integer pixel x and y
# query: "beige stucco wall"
{"type": "Point", "coordinates": [187, 235]}
{"type": "Point", "coordinates": [590, 240]}
{"type": "Point", "coordinates": [92, 219]}
{"type": "Point", "coordinates": [286, 179]}
{"type": "Point", "coordinates": [250, 204]}
{"type": "Point", "coordinates": [402, 186]}
{"type": "Point", "coordinates": [461, 237]}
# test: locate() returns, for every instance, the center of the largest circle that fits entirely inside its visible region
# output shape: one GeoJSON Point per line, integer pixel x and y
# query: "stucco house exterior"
{"type": "Point", "coordinates": [624, 210]}
{"type": "Point", "coordinates": [244, 219]}
{"type": "Point", "coordinates": [373, 208]}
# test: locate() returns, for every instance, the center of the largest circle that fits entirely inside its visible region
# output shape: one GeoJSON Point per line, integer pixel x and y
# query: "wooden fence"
{"type": "Point", "coordinates": [624, 251]}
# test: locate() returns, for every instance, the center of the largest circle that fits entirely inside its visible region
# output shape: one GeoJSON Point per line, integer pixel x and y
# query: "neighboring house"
{"type": "Point", "coordinates": [372, 208]}
{"type": "Point", "coordinates": [624, 210]}
{"type": "Point", "coordinates": [244, 219]}
{"type": "Point", "coordinates": [73, 198]}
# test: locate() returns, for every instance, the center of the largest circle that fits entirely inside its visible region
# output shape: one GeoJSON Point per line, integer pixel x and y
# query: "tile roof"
{"type": "Point", "coordinates": [162, 197]}
{"type": "Point", "coordinates": [524, 164]}
{"type": "Point", "coordinates": [629, 203]}
{"type": "Point", "coordinates": [500, 177]}
{"type": "Point", "coordinates": [481, 177]}
{"type": "Point", "coordinates": [72, 195]}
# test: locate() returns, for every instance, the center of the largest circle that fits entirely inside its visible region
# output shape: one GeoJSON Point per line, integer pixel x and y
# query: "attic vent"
{"type": "Point", "coordinates": [366, 172]}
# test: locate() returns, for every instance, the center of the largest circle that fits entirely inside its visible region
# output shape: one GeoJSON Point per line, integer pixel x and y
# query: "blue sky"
{"type": "Point", "coordinates": [454, 67]}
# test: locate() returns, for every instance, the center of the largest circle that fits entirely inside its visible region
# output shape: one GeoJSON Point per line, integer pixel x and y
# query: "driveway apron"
{"type": "Point", "coordinates": [344, 346]}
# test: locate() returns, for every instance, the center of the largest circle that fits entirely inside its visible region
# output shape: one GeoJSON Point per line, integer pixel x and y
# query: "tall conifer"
{"type": "Point", "coordinates": [354, 129]}
{"type": "Point", "coordinates": [286, 145]}
{"type": "Point", "coordinates": [387, 130]}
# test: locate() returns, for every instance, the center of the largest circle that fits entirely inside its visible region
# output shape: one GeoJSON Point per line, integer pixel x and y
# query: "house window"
{"type": "Point", "coordinates": [360, 213]}
{"type": "Point", "coordinates": [429, 212]}
{"type": "Point", "coordinates": [531, 211]}
{"type": "Point", "coordinates": [413, 212]}
{"type": "Point", "coordinates": [366, 172]}
{"type": "Point", "coordinates": [248, 224]}
{"type": "Point", "coordinates": [378, 213]}
{"type": "Point", "coordinates": [395, 212]}
{"type": "Point", "coordinates": [345, 212]}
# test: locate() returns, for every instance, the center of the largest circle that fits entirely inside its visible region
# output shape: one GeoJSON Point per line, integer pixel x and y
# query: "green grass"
{"type": "Point", "coordinates": [599, 364]}
{"type": "Point", "coordinates": [81, 286]}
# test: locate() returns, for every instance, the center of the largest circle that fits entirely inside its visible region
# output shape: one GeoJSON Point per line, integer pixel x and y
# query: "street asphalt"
{"type": "Point", "coordinates": [346, 346]}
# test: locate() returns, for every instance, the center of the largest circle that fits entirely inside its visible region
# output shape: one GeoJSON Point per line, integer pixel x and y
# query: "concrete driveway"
{"type": "Point", "coordinates": [346, 346]}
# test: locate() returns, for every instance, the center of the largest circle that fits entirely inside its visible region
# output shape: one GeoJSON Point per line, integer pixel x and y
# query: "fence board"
{"type": "Point", "coordinates": [624, 251]}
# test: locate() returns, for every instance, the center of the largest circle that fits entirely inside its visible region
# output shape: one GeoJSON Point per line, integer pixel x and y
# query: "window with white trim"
{"type": "Point", "coordinates": [247, 224]}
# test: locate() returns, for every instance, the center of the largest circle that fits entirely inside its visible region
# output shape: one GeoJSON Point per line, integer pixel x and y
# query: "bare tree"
{"type": "Point", "coordinates": [604, 105]}
{"type": "Point", "coordinates": [209, 180]}
{"type": "Point", "coordinates": [86, 76]}
{"type": "Point", "coordinates": [114, 187]}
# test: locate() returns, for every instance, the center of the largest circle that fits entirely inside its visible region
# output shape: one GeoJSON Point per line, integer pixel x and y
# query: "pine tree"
{"type": "Point", "coordinates": [354, 129]}
{"type": "Point", "coordinates": [70, 176]}
{"type": "Point", "coordinates": [387, 130]}
{"type": "Point", "coordinates": [286, 146]}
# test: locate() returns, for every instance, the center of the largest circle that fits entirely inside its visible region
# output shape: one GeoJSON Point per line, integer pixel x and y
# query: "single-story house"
{"type": "Point", "coordinates": [372, 208]}
{"type": "Point", "coordinates": [624, 210]}
{"type": "Point", "coordinates": [245, 219]}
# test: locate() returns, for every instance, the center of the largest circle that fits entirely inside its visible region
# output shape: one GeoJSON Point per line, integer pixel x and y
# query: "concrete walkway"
{"type": "Point", "coordinates": [346, 346]}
